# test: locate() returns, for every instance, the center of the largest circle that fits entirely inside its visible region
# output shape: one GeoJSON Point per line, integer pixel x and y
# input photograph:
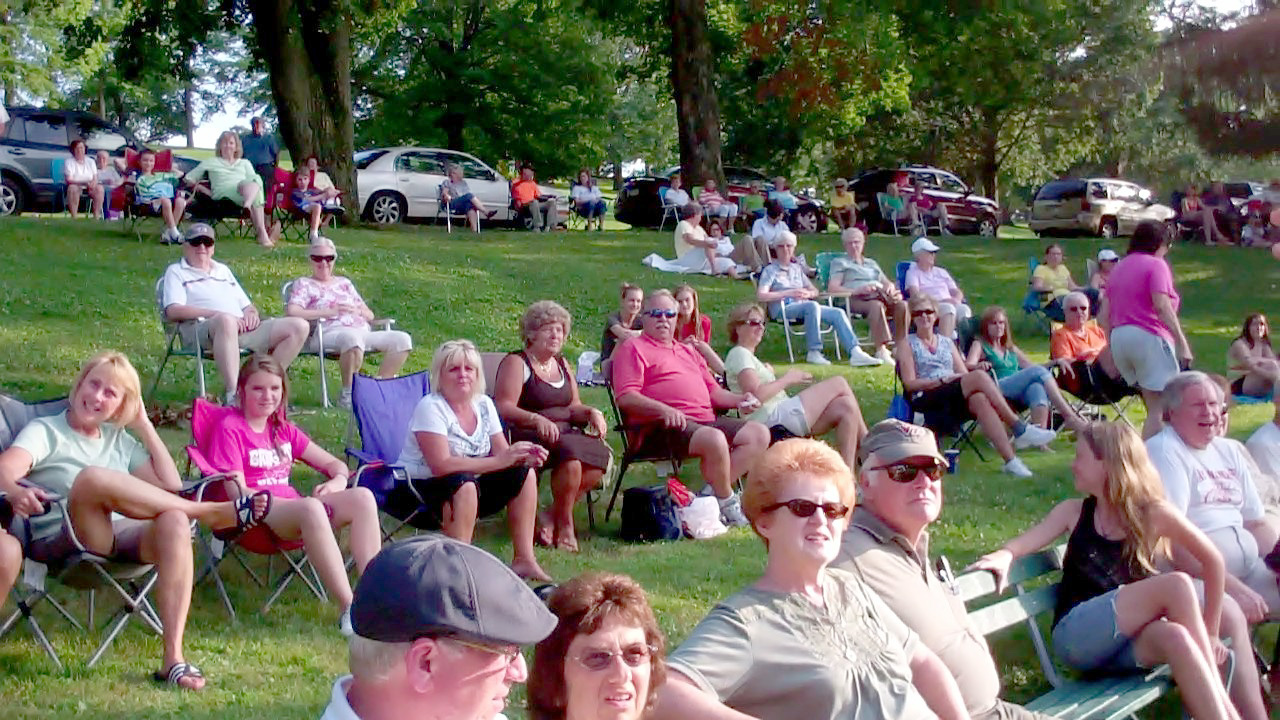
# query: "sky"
{"type": "Point", "coordinates": [207, 133]}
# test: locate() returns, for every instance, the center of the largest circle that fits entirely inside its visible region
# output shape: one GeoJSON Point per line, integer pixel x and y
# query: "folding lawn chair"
{"type": "Point", "coordinates": [1094, 392]}
{"type": "Point", "coordinates": [900, 276]}
{"type": "Point", "coordinates": [380, 412]}
{"type": "Point", "coordinates": [130, 583]}
{"type": "Point", "coordinates": [56, 166]}
{"type": "Point", "coordinates": [214, 486]}
{"type": "Point", "coordinates": [822, 263]}
{"type": "Point", "coordinates": [794, 325]}
{"type": "Point", "coordinates": [174, 347]}
{"type": "Point", "coordinates": [137, 214]}
{"type": "Point", "coordinates": [1033, 303]}
{"type": "Point", "coordinates": [887, 213]}
{"type": "Point", "coordinates": [634, 448]}
{"type": "Point", "coordinates": [959, 425]}
{"type": "Point", "coordinates": [668, 210]}
{"type": "Point", "coordinates": [442, 208]}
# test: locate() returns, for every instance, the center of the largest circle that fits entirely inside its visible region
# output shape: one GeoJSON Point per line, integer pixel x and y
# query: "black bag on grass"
{"type": "Point", "coordinates": [648, 514]}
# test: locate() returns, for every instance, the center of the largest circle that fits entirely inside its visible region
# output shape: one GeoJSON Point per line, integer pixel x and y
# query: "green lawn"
{"type": "Point", "coordinates": [71, 288]}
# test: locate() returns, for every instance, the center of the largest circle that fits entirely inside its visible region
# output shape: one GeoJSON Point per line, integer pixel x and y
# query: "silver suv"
{"type": "Point", "coordinates": [1095, 206]}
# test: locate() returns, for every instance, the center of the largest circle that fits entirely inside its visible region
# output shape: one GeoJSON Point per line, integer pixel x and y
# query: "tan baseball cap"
{"type": "Point", "coordinates": [894, 440]}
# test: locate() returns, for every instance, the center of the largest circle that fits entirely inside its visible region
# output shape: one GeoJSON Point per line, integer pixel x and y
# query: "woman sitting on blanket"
{"type": "Point", "coordinates": [1116, 612]}
{"type": "Point", "coordinates": [695, 252]}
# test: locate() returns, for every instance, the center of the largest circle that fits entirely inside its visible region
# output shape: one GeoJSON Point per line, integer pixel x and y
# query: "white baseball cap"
{"type": "Point", "coordinates": [1107, 254]}
{"type": "Point", "coordinates": [923, 243]}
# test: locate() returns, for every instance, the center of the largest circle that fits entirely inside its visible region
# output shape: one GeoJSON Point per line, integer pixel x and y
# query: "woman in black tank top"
{"type": "Point", "coordinates": [1115, 611]}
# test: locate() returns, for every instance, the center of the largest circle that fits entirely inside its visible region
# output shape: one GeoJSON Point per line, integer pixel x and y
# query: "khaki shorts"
{"type": "Point", "coordinates": [127, 546]}
{"type": "Point", "coordinates": [340, 340]}
{"type": "Point", "coordinates": [257, 340]}
{"type": "Point", "coordinates": [1144, 359]}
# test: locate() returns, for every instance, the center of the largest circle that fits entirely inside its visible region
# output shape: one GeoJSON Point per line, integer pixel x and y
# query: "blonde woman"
{"type": "Point", "coordinates": [232, 178]}
{"type": "Point", "coordinates": [1116, 611]}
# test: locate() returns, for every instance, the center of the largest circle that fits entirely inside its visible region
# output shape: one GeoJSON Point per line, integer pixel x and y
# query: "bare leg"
{"type": "Point", "coordinates": [10, 563]}
{"type": "Point", "coordinates": [316, 211]}
{"type": "Point", "coordinates": [900, 321]}
{"type": "Point", "coordinates": [977, 381]}
{"type": "Point", "coordinates": [224, 334]}
{"type": "Point", "coordinates": [306, 518]}
{"type": "Point", "coordinates": [566, 486]}
{"type": "Point", "coordinates": [179, 207]}
{"type": "Point", "coordinates": [288, 335]}
{"type": "Point", "coordinates": [356, 508]}
{"type": "Point", "coordinates": [1246, 686]}
{"type": "Point", "coordinates": [1068, 413]}
{"type": "Point", "coordinates": [249, 198]}
{"type": "Point", "coordinates": [73, 200]}
{"type": "Point", "coordinates": [166, 213]}
{"type": "Point", "coordinates": [167, 545]}
{"type": "Point", "coordinates": [947, 324]}
{"type": "Point", "coordinates": [745, 447]}
{"type": "Point", "coordinates": [876, 318]}
{"type": "Point", "coordinates": [832, 404]}
{"type": "Point", "coordinates": [1154, 422]}
{"type": "Point", "coordinates": [391, 363]}
{"type": "Point", "coordinates": [350, 361]}
{"type": "Point", "coordinates": [712, 450]}
{"type": "Point", "coordinates": [473, 219]}
{"type": "Point", "coordinates": [991, 423]}
{"type": "Point", "coordinates": [459, 521]}
{"type": "Point", "coordinates": [522, 512]}
{"type": "Point", "coordinates": [1040, 416]}
{"type": "Point", "coordinates": [98, 194]}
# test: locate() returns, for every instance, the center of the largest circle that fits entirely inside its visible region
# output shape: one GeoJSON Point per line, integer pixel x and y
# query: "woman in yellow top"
{"type": "Point", "coordinates": [231, 177]}
{"type": "Point", "coordinates": [1052, 276]}
{"type": "Point", "coordinates": [842, 207]}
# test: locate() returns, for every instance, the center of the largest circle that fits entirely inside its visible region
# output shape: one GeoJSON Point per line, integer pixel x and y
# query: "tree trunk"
{"type": "Point", "coordinates": [307, 48]}
{"type": "Point", "coordinates": [694, 88]}
{"type": "Point", "coordinates": [188, 115]}
{"type": "Point", "coordinates": [989, 162]}
{"type": "Point", "coordinates": [617, 171]}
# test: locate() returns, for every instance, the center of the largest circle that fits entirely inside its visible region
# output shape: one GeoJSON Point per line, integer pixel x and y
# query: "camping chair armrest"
{"type": "Point", "coordinates": [386, 323]}
{"type": "Point", "coordinates": [196, 489]}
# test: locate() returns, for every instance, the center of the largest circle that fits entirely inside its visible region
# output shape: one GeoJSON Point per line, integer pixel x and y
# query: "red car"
{"type": "Point", "coordinates": [969, 214]}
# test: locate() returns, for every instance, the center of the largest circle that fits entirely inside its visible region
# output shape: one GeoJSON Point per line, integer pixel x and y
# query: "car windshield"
{"type": "Point", "coordinates": [951, 183]}
{"type": "Point", "coordinates": [365, 158]}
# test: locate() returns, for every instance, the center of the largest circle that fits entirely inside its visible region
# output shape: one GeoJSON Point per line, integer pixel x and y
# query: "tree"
{"type": "Point", "coordinates": [693, 85]}
{"type": "Point", "coordinates": [47, 46]}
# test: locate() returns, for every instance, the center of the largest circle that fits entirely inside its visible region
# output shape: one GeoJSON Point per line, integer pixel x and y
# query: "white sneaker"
{"type": "Point", "coordinates": [1017, 468]}
{"type": "Point", "coordinates": [815, 358]}
{"type": "Point", "coordinates": [731, 512]}
{"type": "Point", "coordinates": [885, 355]}
{"type": "Point", "coordinates": [344, 400]}
{"type": "Point", "coordinates": [1033, 436]}
{"type": "Point", "coordinates": [859, 358]}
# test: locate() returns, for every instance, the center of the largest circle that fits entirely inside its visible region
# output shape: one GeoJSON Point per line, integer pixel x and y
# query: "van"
{"type": "Point", "coordinates": [1105, 207]}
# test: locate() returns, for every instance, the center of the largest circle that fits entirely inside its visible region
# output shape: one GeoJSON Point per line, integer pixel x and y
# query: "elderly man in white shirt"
{"type": "Point", "coordinates": [200, 288]}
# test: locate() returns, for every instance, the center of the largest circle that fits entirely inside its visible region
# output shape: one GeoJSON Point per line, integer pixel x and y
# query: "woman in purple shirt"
{"type": "Point", "coordinates": [1140, 314]}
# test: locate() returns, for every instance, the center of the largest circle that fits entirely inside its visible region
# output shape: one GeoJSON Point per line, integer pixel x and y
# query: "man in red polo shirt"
{"type": "Point", "coordinates": [666, 383]}
{"type": "Point", "coordinates": [526, 197]}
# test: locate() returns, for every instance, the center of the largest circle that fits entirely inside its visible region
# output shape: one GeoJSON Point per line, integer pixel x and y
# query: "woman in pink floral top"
{"type": "Point", "coordinates": [334, 301]}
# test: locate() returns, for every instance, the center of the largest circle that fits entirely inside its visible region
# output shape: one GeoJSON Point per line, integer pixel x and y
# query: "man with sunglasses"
{"type": "Point", "coordinates": [887, 545]}
{"type": "Point", "coordinates": [666, 386]}
{"type": "Point", "coordinates": [438, 626]}
{"type": "Point", "coordinates": [1082, 343]}
{"type": "Point", "coordinates": [200, 289]}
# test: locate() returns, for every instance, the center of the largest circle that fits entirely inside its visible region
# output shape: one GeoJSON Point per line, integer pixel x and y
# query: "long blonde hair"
{"type": "Point", "coordinates": [1132, 486]}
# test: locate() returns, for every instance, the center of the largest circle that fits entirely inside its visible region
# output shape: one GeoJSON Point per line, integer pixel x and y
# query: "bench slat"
{"type": "Point", "coordinates": [1014, 610]}
{"type": "Point", "coordinates": [1102, 699]}
{"type": "Point", "coordinates": [980, 583]}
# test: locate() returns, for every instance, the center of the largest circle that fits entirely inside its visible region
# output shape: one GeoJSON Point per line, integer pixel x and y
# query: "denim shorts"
{"type": "Point", "coordinates": [1087, 638]}
{"type": "Point", "coordinates": [461, 205]}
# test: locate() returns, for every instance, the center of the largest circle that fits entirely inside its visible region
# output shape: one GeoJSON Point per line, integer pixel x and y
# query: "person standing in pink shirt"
{"type": "Point", "coordinates": [1140, 314]}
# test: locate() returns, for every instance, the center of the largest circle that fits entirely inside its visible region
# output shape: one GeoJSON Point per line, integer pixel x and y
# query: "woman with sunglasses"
{"type": "Point", "coordinates": [814, 411]}
{"type": "Point", "coordinates": [1019, 379]}
{"type": "Point", "coordinates": [937, 382]}
{"type": "Point", "coordinates": [805, 640]}
{"type": "Point", "coordinates": [332, 301]}
{"type": "Point", "coordinates": [604, 660]}
{"type": "Point", "coordinates": [1116, 612]}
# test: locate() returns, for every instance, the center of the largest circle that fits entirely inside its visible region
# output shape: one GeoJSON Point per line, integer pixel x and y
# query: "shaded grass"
{"type": "Point", "coordinates": [72, 288]}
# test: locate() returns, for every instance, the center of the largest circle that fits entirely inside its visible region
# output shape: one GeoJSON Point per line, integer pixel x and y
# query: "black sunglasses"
{"type": "Point", "coordinates": [754, 323]}
{"type": "Point", "coordinates": [661, 313]}
{"type": "Point", "coordinates": [904, 473]}
{"type": "Point", "coordinates": [198, 241]}
{"type": "Point", "coordinates": [806, 508]}
{"type": "Point", "coordinates": [921, 313]}
{"type": "Point", "coordinates": [323, 258]}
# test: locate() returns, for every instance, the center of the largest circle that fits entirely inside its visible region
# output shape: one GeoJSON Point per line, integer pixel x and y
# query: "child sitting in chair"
{"type": "Point", "coordinates": [313, 202]}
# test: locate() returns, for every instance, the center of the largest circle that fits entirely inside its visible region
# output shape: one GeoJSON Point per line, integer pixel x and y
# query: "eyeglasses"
{"type": "Point", "coordinates": [806, 508]}
{"type": "Point", "coordinates": [599, 660]}
{"type": "Point", "coordinates": [506, 652]}
{"type": "Point", "coordinates": [198, 241]}
{"type": "Point", "coordinates": [323, 258]}
{"type": "Point", "coordinates": [921, 313]}
{"type": "Point", "coordinates": [904, 473]}
{"type": "Point", "coordinates": [754, 323]}
{"type": "Point", "coordinates": [661, 314]}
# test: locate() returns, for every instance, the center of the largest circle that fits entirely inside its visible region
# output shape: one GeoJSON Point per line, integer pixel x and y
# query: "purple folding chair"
{"type": "Point", "coordinates": [382, 409]}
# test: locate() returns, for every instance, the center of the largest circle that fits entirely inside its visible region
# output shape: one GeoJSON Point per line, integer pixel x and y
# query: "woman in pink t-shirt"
{"type": "Point", "coordinates": [1140, 314]}
{"type": "Point", "coordinates": [259, 445]}
{"type": "Point", "coordinates": [694, 329]}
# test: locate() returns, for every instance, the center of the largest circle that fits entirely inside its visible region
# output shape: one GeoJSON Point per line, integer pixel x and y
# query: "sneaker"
{"type": "Point", "coordinates": [1017, 468]}
{"type": "Point", "coordinates": [885, 355]}
{"type": "Point", "coordinates": [946, 230]}
{"type": "Point", "coordinates": [815, 358]}
{"type": "Point", "coordinates": [859, 358]}
{"type": "Point", "coordinates": [1033, 436]}
{"type": "Point", "coordinates": [731, 512]}
{"type": "Point", "coordinates": [344, 400]}
{"type": "Point", "coordinates": [344, 624]}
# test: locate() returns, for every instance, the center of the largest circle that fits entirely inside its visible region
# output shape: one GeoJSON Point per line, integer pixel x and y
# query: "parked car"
{"type": "Point", "coordinates": [1106, 207]}
{"type": "Point", "coordinates": [638, 204]}
{"type": "Point", "coordinates": [395, 184]}
{"type": "Point", "coordinates": [970, 214]}
{"type": "Point", "coordinates": [34, 138]}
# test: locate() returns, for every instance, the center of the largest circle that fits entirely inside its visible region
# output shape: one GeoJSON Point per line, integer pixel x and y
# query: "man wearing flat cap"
{"type": "Point", "coordinates": [887, 545]}
{"type": "Point", "coordinates": [438, 627]}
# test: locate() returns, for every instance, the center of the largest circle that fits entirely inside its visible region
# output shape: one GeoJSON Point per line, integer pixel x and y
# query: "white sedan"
{"type": "Point", "coordinates": [394, 184]}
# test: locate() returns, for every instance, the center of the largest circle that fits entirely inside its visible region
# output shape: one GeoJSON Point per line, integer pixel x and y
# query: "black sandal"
{"type": "Point", "coordinates": [246, 517]}
{"type": "Point", "coordinates": [176, 673]}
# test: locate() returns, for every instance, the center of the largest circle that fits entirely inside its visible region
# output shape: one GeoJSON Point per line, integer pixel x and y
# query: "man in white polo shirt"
{"type": "Point", "coordinates": [199, 288]}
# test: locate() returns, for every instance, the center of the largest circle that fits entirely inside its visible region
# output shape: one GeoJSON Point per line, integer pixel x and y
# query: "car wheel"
{"type": "Point", "coordinates": [1108, 228]}
{"type": "Point", "coordinates": [805, 220]}
{"type": "Point", "coordinates": [987, 225]}
{"type": "Point", "coordinates": [386, 207]}
{"type": "Point", "coordinates": [12, 197]}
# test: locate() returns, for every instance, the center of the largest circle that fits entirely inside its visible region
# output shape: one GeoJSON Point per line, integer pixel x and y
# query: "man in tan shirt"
{"type": "Point", "coordinates": [887, 546]}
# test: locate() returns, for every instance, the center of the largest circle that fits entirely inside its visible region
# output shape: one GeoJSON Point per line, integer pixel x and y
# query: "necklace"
{"type": "Point", "coordinates": [544, 367]}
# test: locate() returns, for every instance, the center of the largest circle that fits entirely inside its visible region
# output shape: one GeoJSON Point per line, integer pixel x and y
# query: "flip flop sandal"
{"type": "Point", "coordinates": [246, 518]}
{"type": "Point", "coordinates": [176, 673]}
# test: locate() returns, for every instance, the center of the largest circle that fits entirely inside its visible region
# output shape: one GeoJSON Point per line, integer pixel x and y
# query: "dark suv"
{"type": "Point", "coordinates": [32, 140]}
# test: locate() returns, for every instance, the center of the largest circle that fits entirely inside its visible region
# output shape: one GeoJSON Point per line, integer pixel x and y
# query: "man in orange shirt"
{"type": "Point", "coordinates": [526, 197]}
{"type": "Point", "coordinates": [1083, 342]}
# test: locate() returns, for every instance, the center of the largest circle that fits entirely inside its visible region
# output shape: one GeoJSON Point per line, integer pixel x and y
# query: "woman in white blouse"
{"type": "Point", "coordinates": [81, 176]}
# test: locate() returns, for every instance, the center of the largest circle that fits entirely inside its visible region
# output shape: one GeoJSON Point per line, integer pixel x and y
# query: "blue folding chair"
{"type": "Point", "coordinates": [56, 166]}
{"type": "Point", "coordinates": [1034, 301]}
{"type": "Point", "coordinates": [380, 413]}
{"type": "Point", "coordinates": [900, 273]}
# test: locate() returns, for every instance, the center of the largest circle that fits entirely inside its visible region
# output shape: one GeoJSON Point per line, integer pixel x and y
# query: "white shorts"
{"type": "Point", "coordinates": [1242, 559]}
{"type": "Point", "coordinates": [960, 310]}
{"type": "Point", "coordinates": [1144, 359]}
{"type": "Point", "coordinates": [790, 415]}
{"type": "Point", "coordinates": [340, 340]}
